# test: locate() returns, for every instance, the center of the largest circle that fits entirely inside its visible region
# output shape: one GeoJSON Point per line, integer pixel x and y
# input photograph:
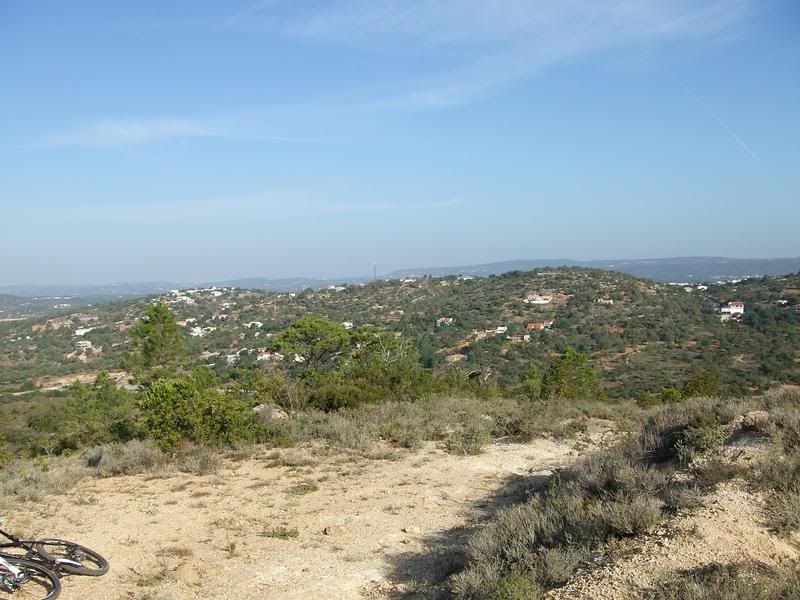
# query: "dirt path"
{"type": "Point", "coordinates": [289, 524]}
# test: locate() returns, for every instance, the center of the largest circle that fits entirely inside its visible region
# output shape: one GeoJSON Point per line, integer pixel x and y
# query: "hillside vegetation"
{"type": "Point", "coordinates": [652, 336]}
{"type": "Point", "coordinates": [194, 380]}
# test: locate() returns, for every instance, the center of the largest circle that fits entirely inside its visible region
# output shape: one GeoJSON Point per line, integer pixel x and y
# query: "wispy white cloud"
{"type": "Point", "coordinates": [463, 51]}
{"type": "Point", "coordinates": [481, 46]}
{"type": "Point", "coordinates": [129, 131]}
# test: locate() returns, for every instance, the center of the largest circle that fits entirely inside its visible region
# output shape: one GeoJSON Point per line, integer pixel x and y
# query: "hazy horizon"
{"type": "Point", "coordinates": [366, 275]}
{"type": "Point", "coordinates": [196, 141]}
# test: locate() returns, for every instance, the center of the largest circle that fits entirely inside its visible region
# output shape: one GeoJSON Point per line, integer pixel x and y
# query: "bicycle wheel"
{"type": "Point", "coordinates": [33, 582]}
{"type": "Point", "coordinates": [60, 551]}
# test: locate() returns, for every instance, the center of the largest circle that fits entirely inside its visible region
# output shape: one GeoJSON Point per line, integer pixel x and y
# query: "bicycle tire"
{"type": "Point", "coordinates": [33, 574]}
{"type": "Point", "coordinates": [92, 564]}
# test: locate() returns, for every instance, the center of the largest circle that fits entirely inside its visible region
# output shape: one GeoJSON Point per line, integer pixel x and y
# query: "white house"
{"type": "Point", "coordinates": [201, 331]}
{"type": "Point", "coordinates": [735, 307]}
{"type": "Point", "coordinates": [732, 311]}
{"type": "Point", "coordinates": [83, 344]}
{"type": "Point", "coordinates": [501, 329]}
{"type": "Point", "coordinates": [537, 299]}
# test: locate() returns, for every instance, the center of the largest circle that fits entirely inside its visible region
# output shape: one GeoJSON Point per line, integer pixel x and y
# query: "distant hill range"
{"type": "Point", "coordinates": [689, 269]}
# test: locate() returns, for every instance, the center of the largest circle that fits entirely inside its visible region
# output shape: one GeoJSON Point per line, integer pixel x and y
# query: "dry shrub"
{"type": "Point", "coordinates": [733, 581]}
{"type": "Point", "coordinates": [468, 442]}
{"type": "Point", "coordinates": [610, 494]}
{"type": "Point", "coordinates": [199, 460]}
{"type": "Point", "coordinates": [32, 480]}
{"type": "Point", "coordinates": [125, 459]}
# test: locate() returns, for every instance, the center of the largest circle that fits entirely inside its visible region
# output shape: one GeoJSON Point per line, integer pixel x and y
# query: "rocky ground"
{"type": "Point", "coordinates": [727, 529]}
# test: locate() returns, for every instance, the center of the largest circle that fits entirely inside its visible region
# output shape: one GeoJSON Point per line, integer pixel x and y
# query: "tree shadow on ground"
{"type": "Point", "coordinates": [422, 573]}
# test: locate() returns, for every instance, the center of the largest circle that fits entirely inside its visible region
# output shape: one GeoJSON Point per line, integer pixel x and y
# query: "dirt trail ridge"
{"type": "Point", "coordinates": [287, 524]}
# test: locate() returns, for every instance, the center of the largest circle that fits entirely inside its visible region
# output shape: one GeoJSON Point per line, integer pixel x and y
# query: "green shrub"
{"type": "Point", "coordinates": [6, 455]}
{"type": "Point", "coordinates": [335, 393]}
{"type": "Point", "coordinates": [701, 384]}
{"type": "Point", "coordinates": [470, 441]}
{"type": "Point", "coordinates": [517, 587]}
{"type": "Point", "coordinates": [670, 395]}
{"type": "Point", "coordinates": [570, 376]}
{"type": "Point", "coordinates": [693, 441]}
{"type": "Point", "coordinates": [181, 411]}
{"type": "Point", "coordinates": [648, 399]}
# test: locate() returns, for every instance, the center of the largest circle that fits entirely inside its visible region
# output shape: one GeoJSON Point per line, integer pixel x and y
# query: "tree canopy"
{"type": "Point", "coordinates": [156, 343]}
{"type": "Point", "coordinates": [315, 343]}
{"type": "Point", "coordinates": [570, 376]}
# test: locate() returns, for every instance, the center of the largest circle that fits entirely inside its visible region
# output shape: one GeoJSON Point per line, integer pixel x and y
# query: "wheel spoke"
{"type": "Point", "coordinates": [31, 584]}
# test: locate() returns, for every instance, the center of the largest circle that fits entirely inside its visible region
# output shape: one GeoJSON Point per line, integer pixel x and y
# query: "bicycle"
{"type": "Point", "coordinates": [18, 576]}
{"type": "Point", "coordinates": [40, 563]}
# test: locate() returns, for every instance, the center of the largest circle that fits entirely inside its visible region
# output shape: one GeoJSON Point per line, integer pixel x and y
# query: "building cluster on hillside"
{"type": "Point", "coordinates": [688, 287]}
{"type": "Point", "coordinates": [535, 298]}
{"type": "Point", "coordinates": [733, 311]}
{"type": "Point", "coordinates": [201, 331]}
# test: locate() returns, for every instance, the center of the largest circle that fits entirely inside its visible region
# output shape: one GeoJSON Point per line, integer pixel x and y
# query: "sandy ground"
{"type": "Point", "coordinates": [387, 526]}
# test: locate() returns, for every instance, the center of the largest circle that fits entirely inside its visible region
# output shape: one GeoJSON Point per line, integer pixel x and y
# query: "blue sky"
{"type": "Point", "coordinates": [198, 140]}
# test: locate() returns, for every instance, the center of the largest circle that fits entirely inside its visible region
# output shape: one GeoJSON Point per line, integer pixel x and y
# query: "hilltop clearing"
{"type": "Point", "coordinates": [292, 524]}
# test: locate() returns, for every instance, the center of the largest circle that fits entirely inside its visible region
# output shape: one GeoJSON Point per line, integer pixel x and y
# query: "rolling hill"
{"type": "Point", "coordinates": [640, 335]}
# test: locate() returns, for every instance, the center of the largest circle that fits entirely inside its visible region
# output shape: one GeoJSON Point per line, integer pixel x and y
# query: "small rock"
{"type": "Point", "coordinates": [271, 412]}
{"type": "Point", "coordinates": [411, 530]}
{"type": "Point", "coordinates": [334, 530]}
{"type": "Point", "coordinates": [187, 574]}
